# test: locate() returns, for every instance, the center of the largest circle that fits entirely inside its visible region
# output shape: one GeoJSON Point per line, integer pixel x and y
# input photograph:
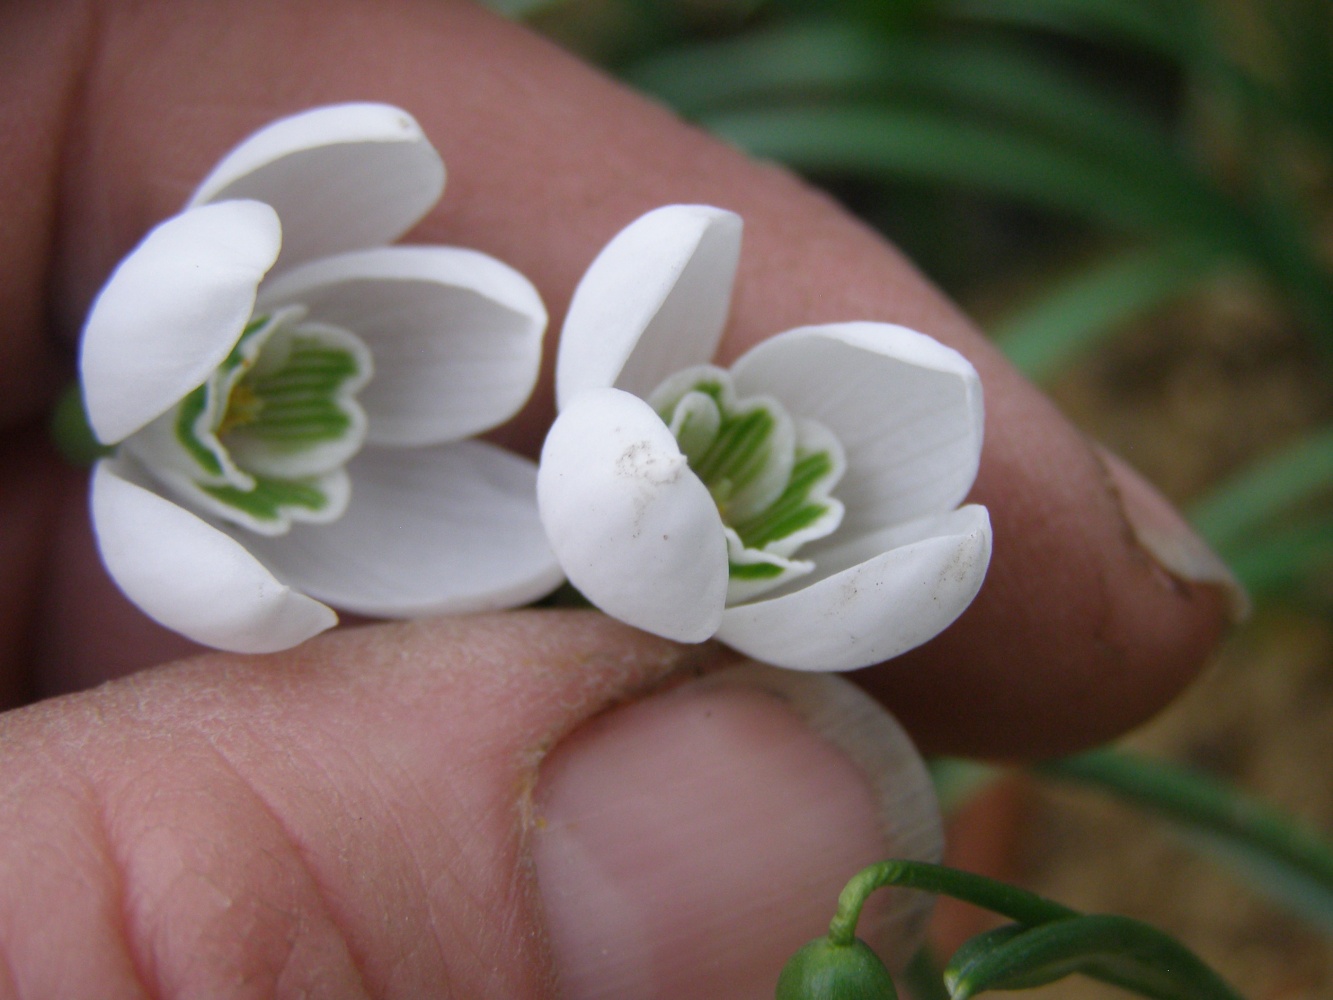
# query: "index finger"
{"type": "Point", "coordinates": [1099, 606]}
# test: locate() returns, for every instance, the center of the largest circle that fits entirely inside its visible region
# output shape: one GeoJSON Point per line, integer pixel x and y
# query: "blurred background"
{"type": "Point", "coordinates": [1135, 199]}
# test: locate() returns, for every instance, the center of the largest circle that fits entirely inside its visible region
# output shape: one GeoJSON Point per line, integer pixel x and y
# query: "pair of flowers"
{"type": "Point", "coordinates": [293, 403]}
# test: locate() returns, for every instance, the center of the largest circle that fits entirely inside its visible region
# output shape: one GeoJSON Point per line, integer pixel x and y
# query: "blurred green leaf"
{"type": "Point", "coordinates": [1291, 863]}
{"type": "Point", "coordinates": [1117, 950]}
{"type": "Point", "coordinates": [1305, 32]}
{"type": "Point", "coordinates": [957, 780]}
{"type": "Point", "coordinates": [891, 144]}
{"type": "Point", "coordinates": [1289, 562]}
{"type": "Point", "coordinates": [1077, 313]}
{"type": "Point", "coordinates": [520, 8]}
{"type": "Point", "coordinates": [833, 58]}
{"type": "Point", "coordinates": [1237, 513]}
{"type": "Point", "coordinates": [1168, 28]}
{"type": "Point", "coordinates": [1018, 95]}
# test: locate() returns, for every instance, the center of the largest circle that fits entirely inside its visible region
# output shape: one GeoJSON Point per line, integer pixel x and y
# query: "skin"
{"type": "Point", "coordinates": [111, 113]}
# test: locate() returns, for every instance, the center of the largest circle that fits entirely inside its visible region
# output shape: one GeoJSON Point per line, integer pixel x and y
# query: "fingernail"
{"type": "Point", "coordinates": [1161, 532]}
{"type": "Point", "coordinates": [689, 843]}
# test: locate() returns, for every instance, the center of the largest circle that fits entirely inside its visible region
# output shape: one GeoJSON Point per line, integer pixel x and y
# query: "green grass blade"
{"type": "Point", "coordinates": [1286, 860]}
{"type": "Point", "coordinates": [896, 144]}
{"type": "Point", "coordinates": [1003, 85]}
{"type": "Point", "coordinates": [824, 57]}
{"type": "Point", "coordinates": [1118, 950]}
{"type": "Point", "coordinates": [958, 781]}
{"type": "Point", "coordinates": [1236, 512]}
{"type": "Point", "coordinates": [1168, 28]}
{"type": "Point", "coordinates": [1289, 561]}
{"type": "Point", "coordinates": [1082, 310]}
{"type": "Point", "coordinates": [835, 59]}
{"type": "Point", "coordinates": [1304, 29]}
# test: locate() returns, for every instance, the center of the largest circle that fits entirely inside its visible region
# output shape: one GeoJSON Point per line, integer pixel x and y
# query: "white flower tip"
{"type": "Point", "coordinates": [633, 528]}
{"type": "Point", "coordinates": [926, 575]}
{"type": "Point", "coordinates": [191, 577]}
{"type": "Point", "coordinates": [342, 178]}
{"type": "Point", "coordinates": [654, 301]}
{"type": "Point", "coordinates": [172, 311]}
{"type": "Point", "coordinates": [330, 125]}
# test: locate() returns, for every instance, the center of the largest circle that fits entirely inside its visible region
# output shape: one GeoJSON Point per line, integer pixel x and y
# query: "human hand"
{"type": "Point", "coordinates": [1080, 631]}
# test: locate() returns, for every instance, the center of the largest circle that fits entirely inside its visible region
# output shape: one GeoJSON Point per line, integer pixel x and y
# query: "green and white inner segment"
{"type": "Point", "coordinates": [770, 474]}
{"type": "Point", "coordinates": [264, 441]}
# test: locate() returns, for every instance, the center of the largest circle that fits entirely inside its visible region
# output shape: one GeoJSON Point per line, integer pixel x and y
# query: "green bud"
{"type": "Point", "coordinates": [825, 970]}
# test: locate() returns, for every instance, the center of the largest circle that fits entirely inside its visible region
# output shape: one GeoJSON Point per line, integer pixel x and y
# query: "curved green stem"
{"type": "Point", "coordinates": [1012, 902]}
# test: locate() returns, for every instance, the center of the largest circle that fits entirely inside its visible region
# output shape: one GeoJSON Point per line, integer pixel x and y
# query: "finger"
{"type": "Point", "coordinates": [1088, 622]}
{"type": "Point", "coordinates": [356, 818]}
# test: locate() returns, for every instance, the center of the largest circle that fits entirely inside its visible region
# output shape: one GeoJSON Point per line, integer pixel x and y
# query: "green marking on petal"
{"type": "Point", "coordinates": [794, 510]}
{"type": "Point", "coordinates": [738, 453]}
{"type": "Point", "coordinates": [769, 475]}
{"type": "Point", "coordinates": [272, 500]}
{"type": "Point", "coordinates": [263, 441]}
{"type": "Point", "coordinates": [755, 571]}
{"type": "Point", "coordinates": [299, 400]}
{"type": "Point", "coordinates": [188, 414]}
{"type": "Point", "coordinates": [201, 414]}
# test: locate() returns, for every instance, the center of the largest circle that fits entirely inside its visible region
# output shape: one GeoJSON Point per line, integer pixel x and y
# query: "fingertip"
{"type": "Point", "coordinates": [1082, 631]}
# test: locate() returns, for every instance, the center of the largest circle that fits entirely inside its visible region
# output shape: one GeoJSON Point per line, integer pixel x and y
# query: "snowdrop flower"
{"type": "Point", "coordinates": [291, 398]}
{"type": "Point", "coordinates": [801, 506]}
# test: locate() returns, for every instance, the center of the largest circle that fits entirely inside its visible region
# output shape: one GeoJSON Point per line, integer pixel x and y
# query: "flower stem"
{"type": "Point", "coordinates": [1012, 902]}
{"type": "Point", "coordinates": [1048, 942]}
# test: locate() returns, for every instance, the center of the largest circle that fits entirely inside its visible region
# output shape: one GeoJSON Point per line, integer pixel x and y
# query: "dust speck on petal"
{"type": "Point", "coordinates": [641, 461]}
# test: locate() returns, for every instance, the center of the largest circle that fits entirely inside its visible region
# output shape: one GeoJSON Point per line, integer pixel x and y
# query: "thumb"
{"type": "Point", "coordinates": [356, 818]}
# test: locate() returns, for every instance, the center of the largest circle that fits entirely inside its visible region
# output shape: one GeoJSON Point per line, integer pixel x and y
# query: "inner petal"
{"type": "Point", "coordinates": [295, 412]}
{"type": "Point", "coordinates": [262, 443]}
{"type": "Point", "coordinates": [770, 475]}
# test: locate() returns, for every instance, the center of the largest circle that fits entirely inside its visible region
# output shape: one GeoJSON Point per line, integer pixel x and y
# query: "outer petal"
{"type": "Point", "coordinates": [447, 529]}
{"type": "Point", "coordinates": [907, 410]}
{"type": "Point", "coordinates": [341, 177]}
{"type": "Point", "coordinates": [190, 576]}
{"type": "Point", "coordinates": [172, 311]}
{"type": "Point", "coordinates": [862, 612]}
{"type": "Point", "coordinates": [653, 302]}
{"type": "Point", "coordinates": [456, 335]}
{"type": "Point", "coordinates": [633, 527]}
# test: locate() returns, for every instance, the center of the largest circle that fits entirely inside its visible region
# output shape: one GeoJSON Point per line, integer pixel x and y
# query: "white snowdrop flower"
{"type": "Point", "coordinates": [801, 506]}
{"type": "Point", "coordinates": [291, 398]}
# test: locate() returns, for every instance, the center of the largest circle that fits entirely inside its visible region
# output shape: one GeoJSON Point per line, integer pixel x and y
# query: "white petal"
{"type": "Point", "coordinates": [190, 576]}
{"type": "Point", "coordinates": [907, 410]}
{"type": "Point", "coordinates": [341, 177]}
{"type": "Point", "coordinates": [172, 311]}
{"type": "Point", "coordinates": [448, 529]}
{"type": "Point", "coordinates": [865, 608]}
{"type": "Point", "coordinates": [633, 527]}
{"type": "Point", "coordinates": [653, 302]}
{"type": "Point", "coordinates": [456, 335]}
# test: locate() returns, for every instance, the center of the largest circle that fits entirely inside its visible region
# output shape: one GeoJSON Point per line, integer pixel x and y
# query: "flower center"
{"type": "Point", "coordinates": [264, 441]}
{"type": "Point", "coordinates": [770, 474]}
